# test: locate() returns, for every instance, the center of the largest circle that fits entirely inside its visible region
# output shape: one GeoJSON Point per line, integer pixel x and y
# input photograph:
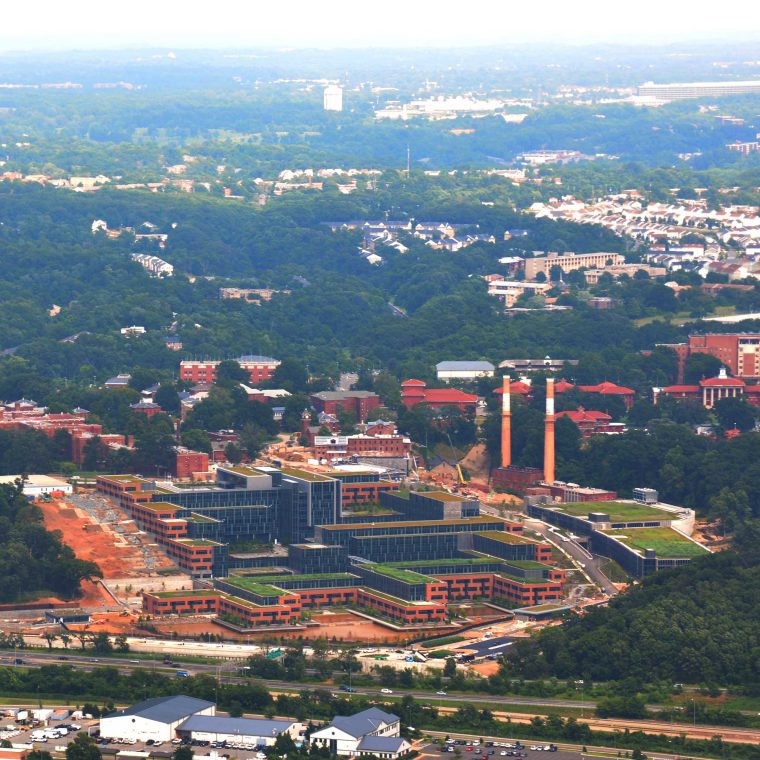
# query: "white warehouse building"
{"type": "Point", "coordinates": [463, 370]}
{"type": "Point", "coordinates": [157, 719]}
{"type": "Point", "coordinates": [253, 731]}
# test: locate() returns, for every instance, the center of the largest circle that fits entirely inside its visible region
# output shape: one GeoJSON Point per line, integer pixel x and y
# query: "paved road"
{"type": "Point", "coordinates": [592, 564]}
{"type": "Point", "coordinates": [225, 673]}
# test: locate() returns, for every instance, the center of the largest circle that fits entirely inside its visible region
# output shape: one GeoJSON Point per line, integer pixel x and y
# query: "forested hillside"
{"type": "Point", "coordinates": [33, 559]}
{"type": "Point", "coordinates": [695, 624]}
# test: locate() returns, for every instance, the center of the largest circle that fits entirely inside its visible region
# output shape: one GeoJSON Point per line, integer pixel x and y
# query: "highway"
{"type": "Point", "coordinates": [449, 702]}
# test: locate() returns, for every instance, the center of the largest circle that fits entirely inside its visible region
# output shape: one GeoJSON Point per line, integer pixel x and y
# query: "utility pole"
{"type": "Point", "coordinates": [408, 161]}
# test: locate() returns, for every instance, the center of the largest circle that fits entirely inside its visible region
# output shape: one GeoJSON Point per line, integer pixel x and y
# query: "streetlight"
{"type": "Point", "coordinates": [580, 682]}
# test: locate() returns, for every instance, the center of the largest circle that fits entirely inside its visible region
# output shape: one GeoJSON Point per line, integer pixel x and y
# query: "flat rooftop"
{"type": "Point", "coordinates": [254, 585]}
{"type": "Point", "coordinates": [295, 472]}
{"type": "Point", "coordinates": [400, 574]}
{"type": "Point", "coordinates": [411, 523]}
{"type": "Point", "coordinates": [506, 538]}
{"type": "Point", "coordinates": [619, 511]}
{"type": "Point", "coordinates": [667, 542]}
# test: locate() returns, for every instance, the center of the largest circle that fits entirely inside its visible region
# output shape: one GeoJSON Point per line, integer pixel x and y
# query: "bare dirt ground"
{"type": "Point", "coordinates": [98, 531]}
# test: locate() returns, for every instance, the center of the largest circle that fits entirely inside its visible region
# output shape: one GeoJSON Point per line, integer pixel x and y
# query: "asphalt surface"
{"type": "Point", "coordinates": [592, 564]}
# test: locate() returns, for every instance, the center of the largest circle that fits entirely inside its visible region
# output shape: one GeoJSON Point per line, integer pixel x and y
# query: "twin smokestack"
{"type": "Point", "coordinates": [506, 429]}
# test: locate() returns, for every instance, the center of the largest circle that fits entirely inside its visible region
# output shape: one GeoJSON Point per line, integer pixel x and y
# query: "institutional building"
{"type": "Point", "coordinates": [678, 91]}
{"type": "Point", "coordinates": [738, 352]}
{"type": "Point", "coordinates": [569, 261]}
{"type": "Point", "coordinates": [259, 368]}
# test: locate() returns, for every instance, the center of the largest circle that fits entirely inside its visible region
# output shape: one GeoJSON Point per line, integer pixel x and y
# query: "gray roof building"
{"type": "Point", "coordinates": [214, 724]}
{"type": "Point", "coordinates": [465, 366]}
{"type": "Point", "coordinates": [165, 709]}
{"type": "Point", "coordinates": [365, 722]}
{"type": "Point", "coordinates": [382, 744]}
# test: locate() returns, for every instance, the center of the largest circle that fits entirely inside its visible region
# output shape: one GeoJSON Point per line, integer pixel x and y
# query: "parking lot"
{"type": "Point", "coordinates": [497, 749]}
{"type": "Point", "coordinates": [156, 749]}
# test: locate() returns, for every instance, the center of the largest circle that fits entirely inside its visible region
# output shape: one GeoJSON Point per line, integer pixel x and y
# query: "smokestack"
{"type": "Point", "coordinates": [549, 433]}
{"type": "Point", "coordinates": [506, 425]}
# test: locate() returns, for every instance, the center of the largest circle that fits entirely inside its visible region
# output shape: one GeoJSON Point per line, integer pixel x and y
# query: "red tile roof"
{"type": "Point", "coordinates": [562, 385]}
{"type": "Point", "coordinates": [518, 387]}
{"type": "Point", "coordinates": [585, 415]}
{"type": "Point", "coordinates": [413, 382]}
{"type": "Point", "coordinates": [681, 389]}
{"type": "Point", "coordinates": [607, 388]}
{"type": "Point", "coordinates": [722, 382]}
{"type": "Point", "coordinates": [449, 396]}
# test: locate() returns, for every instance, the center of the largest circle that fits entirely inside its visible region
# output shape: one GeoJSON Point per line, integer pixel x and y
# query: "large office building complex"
{"type": "Point", "coordinates": [682, 90]}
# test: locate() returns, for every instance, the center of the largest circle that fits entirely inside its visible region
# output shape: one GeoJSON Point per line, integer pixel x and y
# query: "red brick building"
{"type": "Point", "coordinates": [712, 389]}
{"type": "Point", "coordinates": [188, 462]}
{"type": "Point", "coordinates": [591, 422]}
{"type": "Point", "coordinates": [358, 402]}
{"type": "Point", "coordinates": [415, 392]}
{"type": "Point", "coordinates": [259, 368]}
{"type": "Point", "coordinates": [739, 352]}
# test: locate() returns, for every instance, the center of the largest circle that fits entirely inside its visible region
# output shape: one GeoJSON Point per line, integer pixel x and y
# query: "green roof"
{"type": "Point", "coordinates": [197, 542]}
{"type": "Point", "coordinates": [528, 564]}
{"type": "Point", "coordinates": [451, 561]}
{"type": "Point", "coordinates": [667, 542]}
{"type": "Point", "coordinates": [411, 523]}
{"type": "Point", "coordinates": [242, 469]}
{"type": "Point", "coordinates": [441, 496]}
{"type": "Point", "coordinates": [619, 511]}
{"type": "Point", "coordinates": [252, 584]}
{"type": "Point", "coordinates": [294, 472]}
{"type": "Point", "coordinates": [170, 594]}
{"type": "Point", "coordinates": [399, 574]}
{"type": "Point", "coordinates": [506, 538]}
{"type": "Point", "coordinates": [283, 577]}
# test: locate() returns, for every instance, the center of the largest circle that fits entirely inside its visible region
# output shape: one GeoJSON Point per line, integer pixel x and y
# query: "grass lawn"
{"type": "Point", "coordinates": [668, 543]}
{"type": "Point", "coordinates": [619, 511]}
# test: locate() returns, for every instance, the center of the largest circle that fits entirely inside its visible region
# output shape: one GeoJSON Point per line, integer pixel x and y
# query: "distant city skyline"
{"type": "Point", "coordinates": [86, 24]}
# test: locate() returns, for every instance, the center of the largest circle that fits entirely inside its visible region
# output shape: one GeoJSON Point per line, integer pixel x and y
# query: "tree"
{"type": "Point", "coordinates": [196, 439]}
{"type": "Point", "coordinates": [450, 668]}
{"type": "Point", "coordinates": [101, 643]}
{"type": "Point", "coordinates": [233, 452]}
{"type": "Point", "coordinates": [50, 638]}
{"type": "Point", "coordinates": [167, 398]}
{"type": "Point", "coordinates": [699, 366]}
{"type": "Point", "coordinates": [183, 752]}
{"type": "Point", "coordinates": [83, 748]}
{"type": "Point", "coordinates": [291, 375]}
{"type": "Point", "coordinates": [229, 374]}
{"type": "Point", "coordinates": [735, 413]}
{"type": "Point", "coordinates": [121, 644]}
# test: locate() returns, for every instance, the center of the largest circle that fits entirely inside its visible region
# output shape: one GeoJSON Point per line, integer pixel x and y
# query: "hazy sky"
{"type": "Point", "coordinates": [70, 24]}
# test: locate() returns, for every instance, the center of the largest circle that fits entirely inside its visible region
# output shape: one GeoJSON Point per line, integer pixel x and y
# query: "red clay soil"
{"type": "Point", "coordinates": [95, 542]}
{"type": "Point", "coordinates": [115, 623]}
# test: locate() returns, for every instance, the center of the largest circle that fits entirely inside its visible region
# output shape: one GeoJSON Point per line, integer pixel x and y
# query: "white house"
{"type": "Point", "coordinates": [156, 719]}
{"type": "Point", "coordinates": [371, 732]}
{"type": "Point", "coordinates": [463, 370]}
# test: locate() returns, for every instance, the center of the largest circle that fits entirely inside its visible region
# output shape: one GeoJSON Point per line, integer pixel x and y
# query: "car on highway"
{"type": "Point", "coordinates": [441, 694]}
{"type": "Point", "coordinates": [386, 691]}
